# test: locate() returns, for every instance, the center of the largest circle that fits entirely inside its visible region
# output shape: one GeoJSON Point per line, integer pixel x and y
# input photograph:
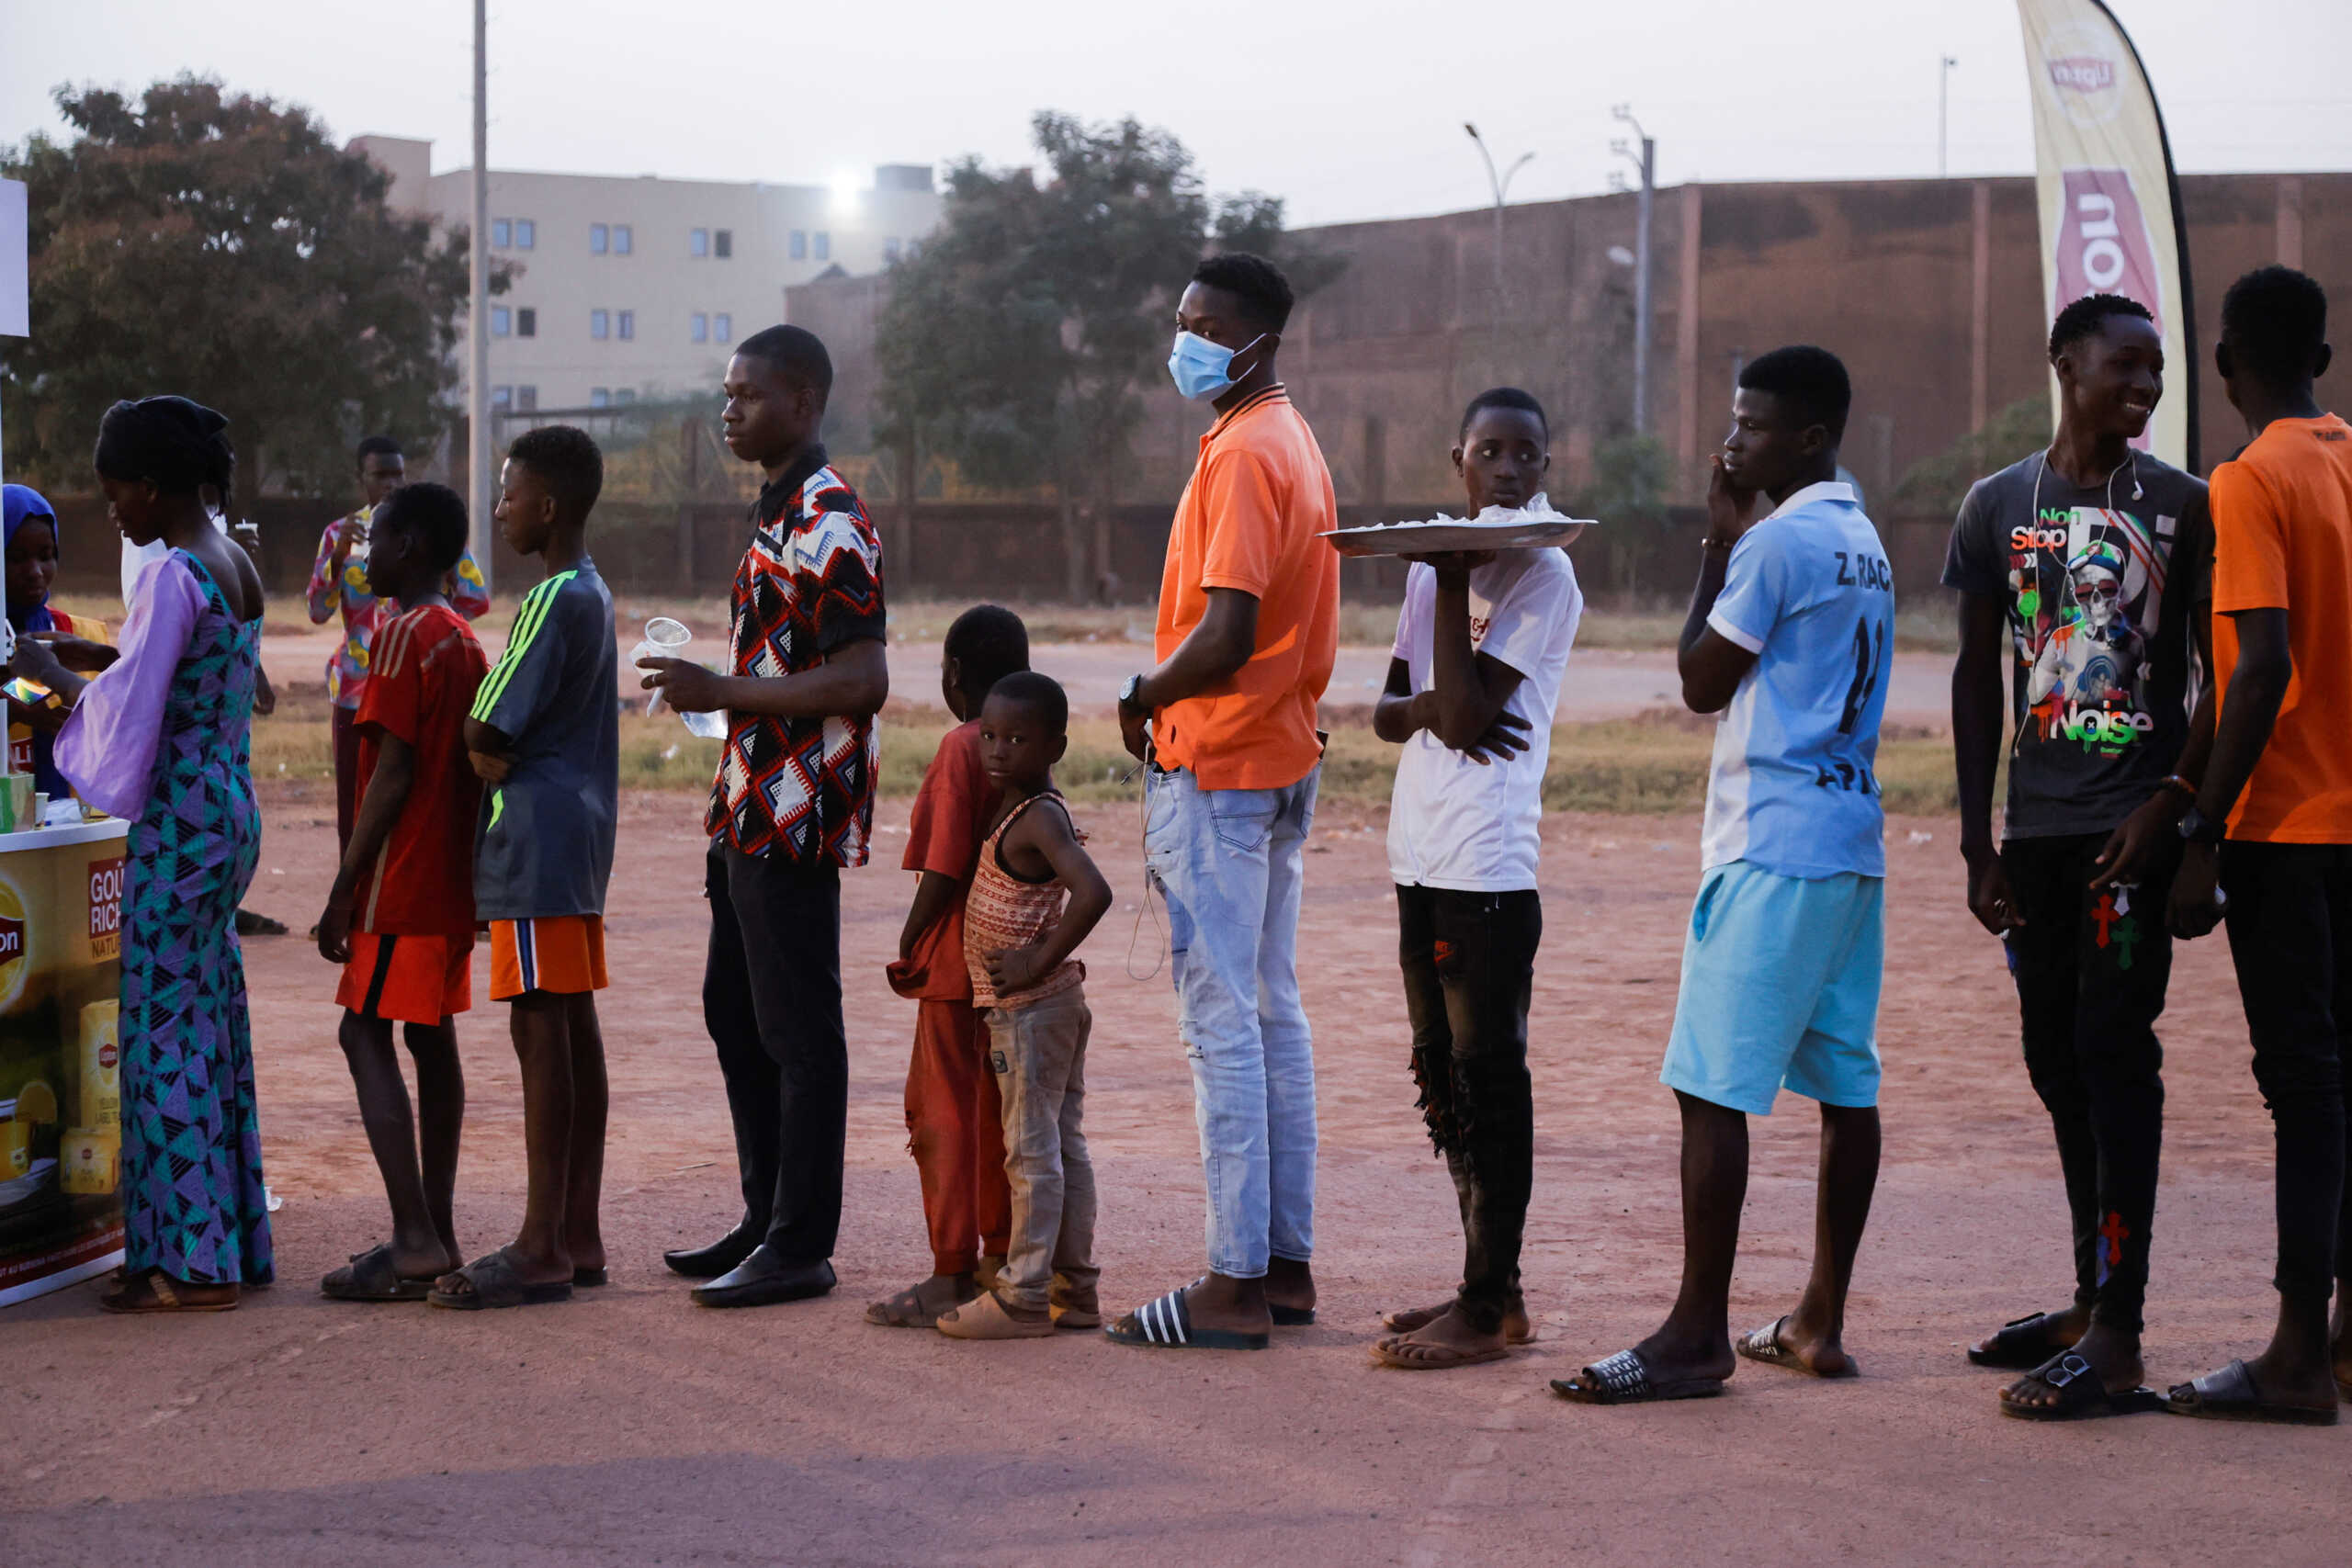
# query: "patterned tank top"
{"type": "Point", "coordinates": [1002, 912]}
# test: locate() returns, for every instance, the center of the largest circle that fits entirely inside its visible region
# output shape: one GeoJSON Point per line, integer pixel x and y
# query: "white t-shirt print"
{"type": "Point", "coordinates": [1455, 823]}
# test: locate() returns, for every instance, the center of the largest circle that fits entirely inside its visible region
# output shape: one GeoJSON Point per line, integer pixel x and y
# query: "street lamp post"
{"type": "Point", "coordinates": [1943, 113]}
{"type": "Point", "coordinates": [1500, 185]}
{"type": "Point", "coordinates": [477, 432]}
{"type": "Point", "coordinates": [1647, 162]}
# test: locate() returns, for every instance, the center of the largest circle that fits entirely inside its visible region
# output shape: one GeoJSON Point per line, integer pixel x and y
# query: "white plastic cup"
{"type": "Point", "coordinates": [663, 639]}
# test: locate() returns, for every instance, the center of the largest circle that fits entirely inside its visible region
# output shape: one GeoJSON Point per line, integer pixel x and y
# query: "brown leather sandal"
{"type": "Point", "coordinates": [152, 1290]}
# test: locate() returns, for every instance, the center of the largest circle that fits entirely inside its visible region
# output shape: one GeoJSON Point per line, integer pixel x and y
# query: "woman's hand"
{"type": "Point", "coordinates": [75, 653]}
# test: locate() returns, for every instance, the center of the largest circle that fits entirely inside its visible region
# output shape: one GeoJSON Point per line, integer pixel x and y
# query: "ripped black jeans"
{"type": "Point", "coordinates": [1469, 964]}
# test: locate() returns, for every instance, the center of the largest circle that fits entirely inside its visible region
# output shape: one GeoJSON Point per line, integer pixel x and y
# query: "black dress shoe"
{"type": "Point", "coordinates": [709, 1262]}
{"type": "Point", "coordinates": [764, 1280]}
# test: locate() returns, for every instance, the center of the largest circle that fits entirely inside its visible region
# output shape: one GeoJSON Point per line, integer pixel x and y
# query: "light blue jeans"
{"type": "Point", "coordinates": [1229, 862]}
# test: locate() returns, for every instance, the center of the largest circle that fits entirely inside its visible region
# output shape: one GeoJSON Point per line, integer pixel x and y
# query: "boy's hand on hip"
{"type": "Point", "coordinates": [1013, 969]}
{"type": "Point", "coordinates": [334, 934]}
{"type": "Point", "coordinates": [491, 767]}
{"type": "Point", "coordinates": [684, 684]}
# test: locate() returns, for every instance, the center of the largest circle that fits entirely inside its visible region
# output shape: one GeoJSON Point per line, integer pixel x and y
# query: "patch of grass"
{"type": "Point", "coordinates": [1653, 764]}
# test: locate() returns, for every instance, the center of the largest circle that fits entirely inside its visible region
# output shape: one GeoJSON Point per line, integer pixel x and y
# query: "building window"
{"type": "Point", "coordinates": [722, 328]}
{"type": "Point", "coordinates": [824, 245]}
{"type": "Point", "coordinates": [722, 244]}
{"type": "Point", "coordinates": [623, 240]}
{"type": "Point", "coordinates": [599, 239]}
{"type": "Point", "coordinates": [527, 233]}
{"type": "Point", "coordinates": [801, 244]}
{"type": "Point", "coordinates": [623, 395]}
{"type": "Point", "coordinates": [698, 242]}
{"type": "Point", "coordinates": [600, 324]}
{"type": "Point", "coordinates": [526, 400]}
{"type": "Point", "coordinates": [890, 249]}
{"type": "Point", "coordinates": [526, 323]}
{"type": "Point", "coordinates": [599, 397]}
{"type": "Point", "coordinates": [626, 325]}
{"type": "Point", "coordinates": [698, 328]}
{"type": "Point", "coordinates": [502, 321]}
{"type": "Point", "coordinates": [502, 234]}
{"type": "Point", "coordinates": [501, 398]}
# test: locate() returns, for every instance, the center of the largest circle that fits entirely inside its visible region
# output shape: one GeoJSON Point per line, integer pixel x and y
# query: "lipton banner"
{"type": "Point", "coordinates": [2110, 205]}
{"type": "Point", "coordinates": [60, 1065]}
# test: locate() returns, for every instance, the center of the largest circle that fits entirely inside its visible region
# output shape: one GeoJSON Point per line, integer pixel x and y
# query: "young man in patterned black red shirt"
{"type": "Point", "coordinates": [792, 806]}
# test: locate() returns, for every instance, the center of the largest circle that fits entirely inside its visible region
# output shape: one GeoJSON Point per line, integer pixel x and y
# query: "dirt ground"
{"type": "Point", "coordinates": [629, 1426]}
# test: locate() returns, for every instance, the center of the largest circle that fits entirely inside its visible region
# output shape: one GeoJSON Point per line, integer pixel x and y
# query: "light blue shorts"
{"type": "Point", "coordinates": [1779, 989]}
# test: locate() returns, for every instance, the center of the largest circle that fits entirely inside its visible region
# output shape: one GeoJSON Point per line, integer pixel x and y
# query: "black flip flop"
{"type": "Point", "coordinates": [1624, 1378]}
{"type": "Point", "coordinates": [371, 1276]}
{"type": "Point", "coordinates": [2230, 1395]}
{"type": "Point", "coordinates": [2022, 1345]}
{"type": "Point", "coordinates": [1167, 1325]}
{"type": "Point", "coordinates": [1764, 1345]}
{"type": "Point", "coordinates": [2082, 1394]}
{"type": "Point", "coordinates": [1291, 1317]}
{"type": "Point", "coordinates": [591, 1277]}
{"type": "Point", "coordinates": [495, 1284]}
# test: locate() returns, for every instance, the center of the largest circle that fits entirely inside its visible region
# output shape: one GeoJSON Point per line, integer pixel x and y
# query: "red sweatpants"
{"type": "Point", "coordinates": [957, 1134]}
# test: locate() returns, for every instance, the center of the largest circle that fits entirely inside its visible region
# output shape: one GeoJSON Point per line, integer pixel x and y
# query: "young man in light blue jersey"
{"type": "Point", "coordinates": [1788, 638]}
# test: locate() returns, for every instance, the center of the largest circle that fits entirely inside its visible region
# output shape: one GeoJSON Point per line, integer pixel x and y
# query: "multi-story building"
{"type": "Point", "coordinates": [626, 288]}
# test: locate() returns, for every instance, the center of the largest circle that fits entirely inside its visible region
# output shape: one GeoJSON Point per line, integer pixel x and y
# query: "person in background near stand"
{"type": "Point", "coordinates": [2280, 786]}
{"type": "Point", "coordinates": [1249, 628]}
{"type": "Point", "coordinates": [793, 804]}
{"type": "Point", "coordinates": [35, 713]}
{"type": "Point", "coordinates": [1482, 645]}
{"type": "Point", "coordinates": [1789, 637]}
{"type": "Point", "coordinates": [2103, 763]}
{"type": "Point", "coordinates": [339, 585]}
{"type": "Point", "coordinates": [953, 1120]}
{"type": "Point", "coordinates": [163, 739]}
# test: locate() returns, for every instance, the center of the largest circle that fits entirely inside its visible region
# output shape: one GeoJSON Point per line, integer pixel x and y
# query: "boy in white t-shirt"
{"type": "Point", "coordinates": [1481, 648]}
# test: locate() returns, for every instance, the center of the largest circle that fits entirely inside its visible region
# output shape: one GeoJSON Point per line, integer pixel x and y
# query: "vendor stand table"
{"type": "Point", "coordinates": [61, 1101]}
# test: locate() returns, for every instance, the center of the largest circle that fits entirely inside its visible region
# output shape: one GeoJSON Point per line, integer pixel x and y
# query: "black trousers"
{"type": "Point", "coordinates": [2091, 969]}
{"type": "Point", "coordinates": [1469, 964]}
{"type": "Point", "coordinates": [772, 1000]}
{"type": "Point", "coordinates": [2289, 918]}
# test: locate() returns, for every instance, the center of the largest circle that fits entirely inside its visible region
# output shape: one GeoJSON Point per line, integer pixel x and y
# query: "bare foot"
{"type": "Point", "coordinates": [1448, 1340]}
{"type": "Point", "coordinates": [2114, 1356]}
{"type": "Point", "coordinates": [1518, 1328]}
{"type": "Point", "coordinates": [2290, 1380]}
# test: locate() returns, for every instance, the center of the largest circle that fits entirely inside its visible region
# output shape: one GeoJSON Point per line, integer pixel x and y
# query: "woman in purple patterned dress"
{"type": "Point", "coordinates": [162, 738]}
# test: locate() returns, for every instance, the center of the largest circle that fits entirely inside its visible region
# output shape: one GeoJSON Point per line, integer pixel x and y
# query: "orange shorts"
{"type": "Point", "coordinates": [411, 979]}
{"type": "Point", "coordinates": [564, 954]}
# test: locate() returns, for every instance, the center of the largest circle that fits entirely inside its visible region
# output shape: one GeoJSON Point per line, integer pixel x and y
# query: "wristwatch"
{"type": "Point", "coordinates": [2196, 828]}
{"type": "Point", "coordinates": [1129, 692]}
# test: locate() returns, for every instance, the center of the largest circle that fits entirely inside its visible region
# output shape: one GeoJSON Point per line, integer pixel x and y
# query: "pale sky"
{"type": "Point", "coordinates": [1348, 108]}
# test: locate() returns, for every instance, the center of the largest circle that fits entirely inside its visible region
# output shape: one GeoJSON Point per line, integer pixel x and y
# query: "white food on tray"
{"type": "Point", "coordinates": [1536, 526]}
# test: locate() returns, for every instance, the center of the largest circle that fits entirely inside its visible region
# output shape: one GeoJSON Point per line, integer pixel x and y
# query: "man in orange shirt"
{"type": "Point", "coordinates": [2269, 841]}
{"type": "Point", "coordinates": [1248, 625]}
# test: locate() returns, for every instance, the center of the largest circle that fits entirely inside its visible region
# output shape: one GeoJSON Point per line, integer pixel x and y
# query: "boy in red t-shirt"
{"type": "Point", "coordinates": [953, 1123]}
{"type": "Point", "coordinates": [401, 918]}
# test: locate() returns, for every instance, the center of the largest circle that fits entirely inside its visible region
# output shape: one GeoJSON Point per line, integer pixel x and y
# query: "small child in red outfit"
{"type": "Point", "coordinates": [953, 1115]}
{"type": "Point", "coordinates": [400, 918]}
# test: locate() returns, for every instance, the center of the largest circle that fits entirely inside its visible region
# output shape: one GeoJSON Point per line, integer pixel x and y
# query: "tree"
{"type": "Point", "coordinates": [1018, 341]}
{"type": "Point", "coordinates": [1937, 485]}
{"type": "Point", "coordinates": [1629, 475]}
{"type": "Point", "coordinates": [222, 247]}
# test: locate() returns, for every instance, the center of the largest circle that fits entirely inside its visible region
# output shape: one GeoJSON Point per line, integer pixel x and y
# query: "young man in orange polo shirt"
{"type": "Point", "coordinates": [1249, 625]}
{"type": "Point", "coordinates": [2279, 789]}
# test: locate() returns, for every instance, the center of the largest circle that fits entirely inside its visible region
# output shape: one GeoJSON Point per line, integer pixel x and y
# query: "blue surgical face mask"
{"type": "Point", "coordinates": [1200, 367]}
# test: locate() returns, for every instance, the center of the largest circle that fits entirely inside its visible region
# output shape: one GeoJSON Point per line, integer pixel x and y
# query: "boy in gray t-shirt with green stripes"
{"type": "Point", "coordinates": [545, 735]}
